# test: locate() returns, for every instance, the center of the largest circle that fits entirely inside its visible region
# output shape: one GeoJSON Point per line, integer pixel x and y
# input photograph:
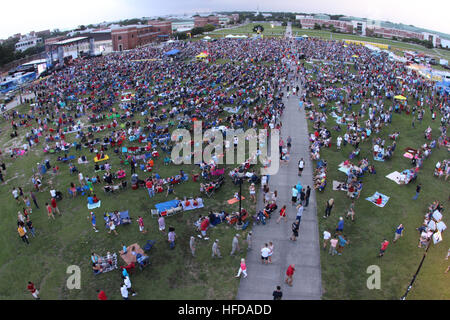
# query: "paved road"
{"type": "Point", "coordinates": [304, 253]}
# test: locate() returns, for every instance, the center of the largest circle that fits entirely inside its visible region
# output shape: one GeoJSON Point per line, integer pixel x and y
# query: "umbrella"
{"type": "Point", "coordinates": [400, 97]}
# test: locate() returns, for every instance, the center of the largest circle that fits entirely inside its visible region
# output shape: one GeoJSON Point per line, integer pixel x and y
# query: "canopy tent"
{"type": "Point", "coordinates": [400, 97]}
{"type": "Point", "coordinates": [355, 56]}
{"type": "Point", "coordinates": [172, 52]}
{"type": "Point", "coordinates": [207, 38]}
{"type": "Point", "coordinates": [202, 55]}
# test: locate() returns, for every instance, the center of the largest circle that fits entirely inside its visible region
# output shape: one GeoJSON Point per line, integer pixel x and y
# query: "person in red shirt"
{"type": "Point", "coordinates": [101, 295]}
{"type": "Point", "coordinates": [204, 226]}
{"type": "Point", "coordinates": [282, 214]}
{"type": "Point", "coordinates": [34, 292]}
{"type": "Point", "coordinates": [289, 274]}
{"type": "Point", "coordinates": [384, 245]}
{"type": "Point", "coordinates": [54, 206]}
{"type": "Point", "coordinates": [140, 222]}
{"type": "Point", "coordinates": [49, 211]}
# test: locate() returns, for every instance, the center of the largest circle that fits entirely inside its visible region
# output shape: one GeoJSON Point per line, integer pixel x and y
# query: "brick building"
{"type": "Point", "coordinates": [163, 27]}
{"type": "Point", "coordinates": [203, 21]}
{"type": "Point", "coordinates": [310, 22]}
{"type": "Point", "coordinates": [130, 37]}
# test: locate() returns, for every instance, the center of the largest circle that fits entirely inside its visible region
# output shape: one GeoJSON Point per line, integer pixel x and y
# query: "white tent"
{"type": "Point", "coordinates": [207, 38]}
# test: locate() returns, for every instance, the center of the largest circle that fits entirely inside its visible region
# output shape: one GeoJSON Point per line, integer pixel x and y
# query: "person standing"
{"type": "Point", "coordinates": [15, 194]}
{"type": "Point", "coordinates": [383, 248]}
{"type": "Point", "coordinates": [398, 232]}
{"type": "Point", "coordinates": [419, 186]}
{"type": "Point", "coordinates": [235, 245]}
{"type": "Point", "coordinates": [326, 238]}
{"type": "Point", "coordinates": [301, 166]}
{"type": "Point", "coordinates": [295, 227]}
{"type": "Point", "coordinates": [34, 292]}
{"type": "Point", "coordinates": [30, 226]}
{"type": "Point", "coordinates": [270, 252]}
{"type": "Point", "coordinates": [265, 254]}
{"type": "Point", "coordinates": [249, 241]}
{"type": "Point", "coordinates": [294, 195]}
{"type": "Point", "coordinates": [101, 295]}
{"type": "Point", "coordinates": [23, 234]}
{"type": "Point", "coordinates": [162, 224]}
{"type": "Point", "coordinates": [307, 195]}
{"type": "Point", "coordinates": [192, 245]}
{"type": "Point", "coordinates": [330, 204]}
{"type": "Point", "coordinates": [216, 249]}
{"type": "Point", "coordinates": [340, 225]}
{"type": "Point", "coordinates": [333, 245]}
{"type": "Point", "coordinates": [299, 212]}
{"type": "Point", "coordinates": [277, 294]}
{"type": "Point", "coordinates": [140, 222]}
{"type": "Point", "coordinates": [302, 196]}
{"type": "Point", "coordinates": [112, 228]}
{"type": "Point", "coordinates": [252, 191]}
{"type": "Point", "coordinates": [351, 211]}
{"type": "Point", "coordinates": [289, 143]}
{"type": "Point", "coordinates": [171, 237]}
{"type": "Point", "coordinates": [342, 243]}
{"type": "Point", "coordinates": [290, 274]}
{"type": "Point", "coordinates": [242, 269]}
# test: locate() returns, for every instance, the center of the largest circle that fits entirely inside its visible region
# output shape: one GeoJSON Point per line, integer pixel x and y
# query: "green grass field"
{"type": "Point", "coordinates": [70, 239]}
{"type": "Point", "coordinates": [248, 30]}
{"type": "Point", "coordinates": [344, 277]}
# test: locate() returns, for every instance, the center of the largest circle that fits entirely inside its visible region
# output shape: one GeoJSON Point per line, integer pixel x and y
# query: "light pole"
{"type": "Point", "coordinates": [240, 176]}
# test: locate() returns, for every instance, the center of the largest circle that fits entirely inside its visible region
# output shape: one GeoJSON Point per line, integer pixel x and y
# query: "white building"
{"type": "Point", "coordinates": [432, 37]}
{"type": "Point", "coordinates": [445, 43]}
{"type": "Point", "coordinates": [359, 27]}
{"type": "Point", "coordinates": [27, 41]}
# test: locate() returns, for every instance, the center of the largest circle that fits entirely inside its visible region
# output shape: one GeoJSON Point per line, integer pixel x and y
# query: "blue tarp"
{"type": "Point", "coordinates": [172, 52]}
{"type": "Point", "coordinates": [163, 206]}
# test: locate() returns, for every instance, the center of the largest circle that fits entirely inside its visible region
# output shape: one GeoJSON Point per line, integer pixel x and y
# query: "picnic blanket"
{"type": "Point", "coordinates": [234, 200]}
{"type": "Point", "coordinates": [395, 176]}
{"type": "Point", "coordinates": [191, 204]}
{"type": "Point", "coordinates": [408, 155]}
{"type": "Point", "coordinates": [232, 110]}
{"type": "Point", "coordinates": [128, 257]}
{"type": "Point", "coordinates": [94, 205]}
{"type": "Point", "coordinates": [378, 158]}
{"type": "Point", "coordinates": [375, 196]}
{"type": "Point", "coordinates": [164, 206]}
{"type": "Point", "coordinates": [98, 160]}
{"type": "Point", "coordinates": [338, 186]}
{"type": "Point", "coordinates": [106, 266]}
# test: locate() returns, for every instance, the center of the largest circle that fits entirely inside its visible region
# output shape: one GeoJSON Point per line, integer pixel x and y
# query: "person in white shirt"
{"type": "Point", "coordinates": [127, 283]}
{"type": "Point", "coordinates": [339, 142]}
{"type": "Point", "coordinates": [265, 254]}
{"type": "Point", "coordinates": [326, 238]}
{"type": "Point", "coordinates": [124, 292]}
{"type": "Point", "coordinates": [53, 193]}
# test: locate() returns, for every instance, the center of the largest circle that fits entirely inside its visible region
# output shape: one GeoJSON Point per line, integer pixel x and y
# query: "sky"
{"type": "Point", "coordinates": [23, 16]}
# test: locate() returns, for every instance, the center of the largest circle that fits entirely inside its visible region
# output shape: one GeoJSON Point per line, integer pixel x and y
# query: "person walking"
{"type": "Point", "coordinates": [295, 227]}
{"type": "Point", "coordinates": [49, 211]}
{"type": "Point", "coordinates": [124, 291]}
{"type": "Point", "coordinates": [171, 237]}
{"type": "Point", "coordinates": [301, 166]}
{"type": "Point", "coordinates": [30, 227]}
{"type": "Point", "coordinates": [112, 228]}
{"type": "Point", "coordinates": [290, 274]}
{"type": "Point", "coordinates": [127, 283]}
{"type": "Point", "coordinates": [252, 191]}
{"type": "Point", "coordinates": [419, 186]}
{"type": "Point", "coordinates": [383, 248]}
{"type": "Point", "coordinates": [192, 245]}
{"type": "Point", "coordinates": [93, 221]}
{"type": "Point", "coordinates": [326, 238]}
{"type": "Point", "coordinates": [235, 244]}
{"type": "Point", "coordinates": [351, 211]}
{"type": "Point", "coordinates": [140, 222]}
{"type": "Point", "coordinates": [307, 195]}
{"type": "Point", "coordinates": [277, 294]}
{"type": "Point", "coordinates": [216, 249]}
{"type": "Point", "coordinates": [33, 197]}
{"type": "Point", "coordinates": [242, 269]}
{"type": "Point", "coordinates": [289, 143]}
{"type": "Point", "coordinates": [340, 225]}
{"type": "Point", "coordinates": [282, 214]}
{"type": "Point", "coordinates": [398, 232]}
{"type": "Point", "coordinates": [23, 234]}
{"type": "Point", "coordinates": [302, 196]}
{"type": "Point", "coordinates": [342, 243]}
{"type": "Point", "coordinates": [329, 207]}
{"type": "Point", "coordinates": [54, 206]}
{"type": "Point", "coordinates": [34, 292]}
{"type": "Point", "coordinates": [265, 254]}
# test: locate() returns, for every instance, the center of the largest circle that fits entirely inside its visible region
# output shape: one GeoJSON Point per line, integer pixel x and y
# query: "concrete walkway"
{"type": "Point", "coordinates": [304, 253]}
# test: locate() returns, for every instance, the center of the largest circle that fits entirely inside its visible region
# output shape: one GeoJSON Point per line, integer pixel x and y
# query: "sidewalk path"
{"type": "Point", "coordinates": [305, 252]}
